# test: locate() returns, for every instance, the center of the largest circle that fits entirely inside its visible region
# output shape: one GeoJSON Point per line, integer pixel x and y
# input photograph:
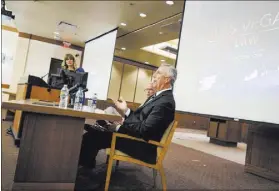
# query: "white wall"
{"type": "Point", "coordinates": [9, 44]}
{"type": "Point", "coordinates": [33, 57]}
{"type": "Point", "coordinates": [19, 62]}
{"type": "Point", "coordinates": [40, 54]}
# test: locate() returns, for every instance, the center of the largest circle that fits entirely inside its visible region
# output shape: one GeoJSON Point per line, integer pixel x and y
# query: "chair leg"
{"type": "Point", "coordinates": [108, 173]}
{"type": "Point", "coordinates": [154, 177]}
{"type": "Point", "coordinates": [163, 178]}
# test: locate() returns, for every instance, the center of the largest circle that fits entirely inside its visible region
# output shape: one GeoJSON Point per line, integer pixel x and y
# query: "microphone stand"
{"type": "Point", "coordinates": [44, 75]}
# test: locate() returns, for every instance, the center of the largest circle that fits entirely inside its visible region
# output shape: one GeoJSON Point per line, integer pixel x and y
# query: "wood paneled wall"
{"type": "Point", "coordinates": [144, 77]}
{"type": "Point", "coordinates": [129, 82]}
{"type": "Point", "coordinates": [115, 80]}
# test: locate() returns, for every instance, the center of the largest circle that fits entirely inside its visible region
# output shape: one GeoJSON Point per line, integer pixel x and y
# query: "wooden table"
{"type": "Point", "coordinates": [50, 147]}
{"type": "Point", "coordinates": [12, 94]}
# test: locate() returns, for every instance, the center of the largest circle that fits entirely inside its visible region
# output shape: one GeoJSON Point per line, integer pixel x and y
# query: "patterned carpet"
{"type": "Point", "coordinates": [186, 169]}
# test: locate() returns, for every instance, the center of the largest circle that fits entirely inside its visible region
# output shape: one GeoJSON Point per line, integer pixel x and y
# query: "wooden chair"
{"type": "Point", "coordinates": [162, 148]}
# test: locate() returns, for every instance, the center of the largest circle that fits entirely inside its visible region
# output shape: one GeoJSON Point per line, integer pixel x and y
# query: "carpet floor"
{"type": "Point", "coordinates": [185, 168]}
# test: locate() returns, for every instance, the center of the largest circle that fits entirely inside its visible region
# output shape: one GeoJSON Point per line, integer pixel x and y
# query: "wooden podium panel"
{"type": "Point", "coordinates": [44, 94]}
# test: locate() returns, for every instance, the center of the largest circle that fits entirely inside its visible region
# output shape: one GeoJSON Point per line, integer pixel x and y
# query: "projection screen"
{"type": "Point", "coordinates": [97, 61]}
{"type": "Point", "coordinates": [228, 60]}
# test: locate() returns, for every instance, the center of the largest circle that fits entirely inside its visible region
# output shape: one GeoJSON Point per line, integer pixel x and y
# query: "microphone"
{"type": "Point", "coordinates": [44, 76]}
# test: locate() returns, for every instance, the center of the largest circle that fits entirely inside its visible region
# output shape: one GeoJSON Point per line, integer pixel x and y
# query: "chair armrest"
{"type": "Point", "coordinates": [137, 139]}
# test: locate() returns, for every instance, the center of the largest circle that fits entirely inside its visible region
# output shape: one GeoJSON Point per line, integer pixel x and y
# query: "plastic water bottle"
{"type": "Point", "coordinates": [78, 99]}
{"type": "Point", "coordinates": [64, 95]}
{"type": "Point", "coordinates": [92, 103]}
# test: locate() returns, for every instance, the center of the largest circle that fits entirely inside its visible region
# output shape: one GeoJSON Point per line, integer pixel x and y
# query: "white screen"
{"type": "Point", "coordinates": [97, 61]}
{"type": "Point", "coordinates": [228, 61]}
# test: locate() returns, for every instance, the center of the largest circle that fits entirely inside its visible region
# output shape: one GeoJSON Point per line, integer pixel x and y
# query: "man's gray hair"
{"type": "Point", "coordinates": [171, 72]}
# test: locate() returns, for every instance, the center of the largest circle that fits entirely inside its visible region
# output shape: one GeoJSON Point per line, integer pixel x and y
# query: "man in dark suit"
{"type": "Point", "coordinates": [148, 122]}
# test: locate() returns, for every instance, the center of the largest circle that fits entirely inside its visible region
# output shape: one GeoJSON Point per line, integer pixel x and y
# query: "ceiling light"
{"type": "Point", "coordinates": [146, 62]}
{"type": "Point", "coordinates": [57, 33]}
{"type": "Point", "coordinates": [142, 15]}
{"type": "Point", "coordinates": [160, 32]}
{"type": "Point", "coordinates": [169, 2]}
{"type": "Point", "coordinates": [123, 48]}
{"type": "Point", "coordinates": [163, 60]}
{"type": "Point", "coordinates": [123, 24]}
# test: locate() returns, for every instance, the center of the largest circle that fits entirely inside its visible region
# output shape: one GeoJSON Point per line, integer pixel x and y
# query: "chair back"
{"type": "Point", "coordinates": [166, 140]}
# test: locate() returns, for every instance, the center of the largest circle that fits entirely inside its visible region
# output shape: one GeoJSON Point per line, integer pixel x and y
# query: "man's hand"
{"type": "Point", "coordinates": [121, 105]}
{"type": "Point", "coordinates": [119, 122]}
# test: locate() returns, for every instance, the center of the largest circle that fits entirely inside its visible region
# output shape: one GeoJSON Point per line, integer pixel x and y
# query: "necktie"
{"type": "Point", "coordinates": [150, 99]}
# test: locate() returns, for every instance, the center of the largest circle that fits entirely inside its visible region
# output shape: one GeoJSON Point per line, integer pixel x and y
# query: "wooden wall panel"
{"type": "Point", "coordinates": [144, 77]}
{"type": "Point", "coordinates": [129, 80]}
{"type": "Point", "coordinates": [191, 121]}
{"type": "Point", "coordinates": [115, 80]}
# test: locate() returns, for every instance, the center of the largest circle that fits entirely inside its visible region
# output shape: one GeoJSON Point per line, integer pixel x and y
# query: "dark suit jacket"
{"type": "Point", "coordinates": [148, 122]}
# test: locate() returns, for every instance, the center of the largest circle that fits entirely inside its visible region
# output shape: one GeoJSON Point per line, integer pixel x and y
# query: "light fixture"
{"type": "Point", "coordinates": [123, 24]}
{"type": "Point", "coordinates": [6, 14]}
{"type": "Point", "coordinates": [57, 33]}
{"type": "Point", "coordinates": [169, 2]}
{"type": "Point", "coordinates": [163, 60]}
{"type": "Point", "coordinates": [160, 32]}
{"type": "Point", "coordinates": [146, 62]}
{"type": "Point", "coordinates": [123, 48]}
{"type": "Point", "coordinates": [142, 15]}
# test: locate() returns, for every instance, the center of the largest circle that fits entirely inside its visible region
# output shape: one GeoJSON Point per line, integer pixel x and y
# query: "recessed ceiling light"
{"type": "Point", "coordinates": [160, 32]}
{"type": "Point", "coordinates": [123, 24]}
{"type": "Point", "coordinates": [163, 60]}
{"type": "Point", "coordinates": [123, 48]}
{"type": "Point", "coordinates": [169, 2]}
{"type": "Point", "coordinates": [142, 15]}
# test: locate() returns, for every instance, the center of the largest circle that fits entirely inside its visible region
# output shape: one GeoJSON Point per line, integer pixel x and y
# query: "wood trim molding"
{"type": "Point", "coordinates": [6, 86]}
{"type": "Point", "coordinates": [134, 63]}
{"type": "Point", "coordinates": [48, 40]}
{"type": "Point", "coordinates": [24, 35]}
{"type": "Point", "coordinates": [121, 81]}
{"type": "Point", "coordinates": [8, 28]}
{"type": "Point", "coordinates": [136, 84]}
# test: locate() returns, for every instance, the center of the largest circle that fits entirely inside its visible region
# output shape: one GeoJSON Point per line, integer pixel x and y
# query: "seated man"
{"type": "Point", "coordinates": [149, 90]}
{"type": "Point", "coordinates": [148, 122]}
{"type": "Point", "coordinates": [111, 110]}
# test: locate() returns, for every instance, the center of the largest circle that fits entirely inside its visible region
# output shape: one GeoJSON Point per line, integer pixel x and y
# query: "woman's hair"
{"type": "Point", "coordinates": [68, 57]}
